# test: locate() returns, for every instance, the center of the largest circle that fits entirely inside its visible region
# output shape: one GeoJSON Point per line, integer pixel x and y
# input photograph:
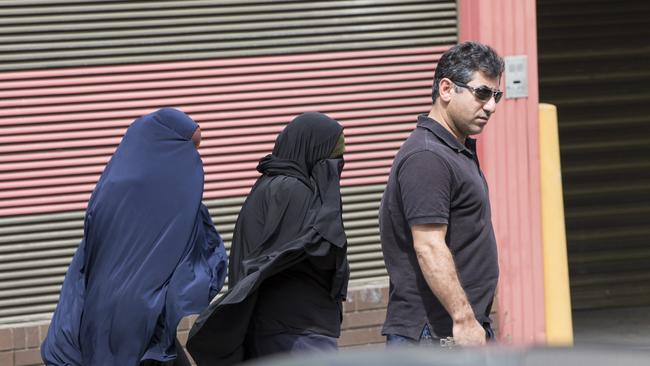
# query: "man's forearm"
{"type": "Point", "coordinates": [439, 270]}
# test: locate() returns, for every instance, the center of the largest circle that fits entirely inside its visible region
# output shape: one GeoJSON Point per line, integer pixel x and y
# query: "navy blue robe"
{"type": "Point", "coordinates": [150, 254]}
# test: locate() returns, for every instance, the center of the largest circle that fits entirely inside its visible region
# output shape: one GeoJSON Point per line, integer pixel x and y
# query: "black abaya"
{"type": "Point", "coordinates": [289, 228]}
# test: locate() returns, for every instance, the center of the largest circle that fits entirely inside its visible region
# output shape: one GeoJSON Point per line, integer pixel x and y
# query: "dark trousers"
{"type": "Point", "coordinates": [428, 337]}
{"type": "Point", "coordinates": [258, 345]}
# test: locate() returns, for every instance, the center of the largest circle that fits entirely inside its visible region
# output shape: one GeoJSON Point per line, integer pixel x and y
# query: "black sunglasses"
{"type": "Point", "coordinates": [483, 93]}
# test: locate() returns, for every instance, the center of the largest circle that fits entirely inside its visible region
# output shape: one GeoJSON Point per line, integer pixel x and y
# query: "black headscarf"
{"type": "Point", "coordinates": [308, 139]}
{"type": "Point", "coordinates": [293, 213]}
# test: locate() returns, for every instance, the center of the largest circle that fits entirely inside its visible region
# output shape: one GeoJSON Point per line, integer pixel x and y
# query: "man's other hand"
{"type": "Point", "coordinates": [469, 333]}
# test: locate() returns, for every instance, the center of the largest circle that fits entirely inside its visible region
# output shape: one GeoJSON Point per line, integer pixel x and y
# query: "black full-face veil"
{"type": "Point", "coordinates": [307, 139]}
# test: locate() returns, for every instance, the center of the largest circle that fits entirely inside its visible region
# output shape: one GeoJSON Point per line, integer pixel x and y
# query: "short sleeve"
{"type": "Point", "coordinates": [425, 186]}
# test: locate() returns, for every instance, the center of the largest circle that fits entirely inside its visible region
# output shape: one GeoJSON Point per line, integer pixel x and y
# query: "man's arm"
{"type": "Point", "coordinates": [439, 270]}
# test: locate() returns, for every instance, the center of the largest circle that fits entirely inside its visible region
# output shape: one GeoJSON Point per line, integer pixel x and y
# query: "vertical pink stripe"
{"type": "Point", "coordinates": [534, 169]}
{"type": "Point", "coordinates": [511, 162]}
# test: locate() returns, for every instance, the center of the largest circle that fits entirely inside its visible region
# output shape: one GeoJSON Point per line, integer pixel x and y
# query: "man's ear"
{"type": "Point", "coordinates": [445, 89]}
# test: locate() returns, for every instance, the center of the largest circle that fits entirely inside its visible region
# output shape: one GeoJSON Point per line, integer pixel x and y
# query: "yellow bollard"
{"type": "Point", "coordinates": [557, 298]}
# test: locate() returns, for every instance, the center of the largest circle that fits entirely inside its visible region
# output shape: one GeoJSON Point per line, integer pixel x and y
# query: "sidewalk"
{"type": "Point", "coordinates": [628, 327]}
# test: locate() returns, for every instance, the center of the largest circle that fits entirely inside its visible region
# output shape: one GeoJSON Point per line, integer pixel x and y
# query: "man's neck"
{"type": "Point", "coordinates": [439, 115]}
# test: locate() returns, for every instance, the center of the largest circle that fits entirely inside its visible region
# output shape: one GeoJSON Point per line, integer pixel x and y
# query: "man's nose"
{"type": "Point", "coordinates": [490, 106]}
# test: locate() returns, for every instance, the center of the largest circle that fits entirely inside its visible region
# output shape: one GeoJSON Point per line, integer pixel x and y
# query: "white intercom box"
{"type": "Point", "coordinates": [516, 76]}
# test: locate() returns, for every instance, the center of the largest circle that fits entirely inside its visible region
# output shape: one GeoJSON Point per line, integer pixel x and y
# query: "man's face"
{"type": "Point", "coordinates": [468, 113]}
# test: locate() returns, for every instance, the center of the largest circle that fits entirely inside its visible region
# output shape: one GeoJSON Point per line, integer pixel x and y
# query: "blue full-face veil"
{"type": "Point", "coordinates": [149, 256]}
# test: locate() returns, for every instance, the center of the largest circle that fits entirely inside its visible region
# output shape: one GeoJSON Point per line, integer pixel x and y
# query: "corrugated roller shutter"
{"type": "Point", "coordinates": [50, 161]}
{"type": "Point", "coordinates": [595, 66]}
{"type": "Point", "coordinates": [39, 34]}
{"type": "Point", "coordinates": [370, 66]}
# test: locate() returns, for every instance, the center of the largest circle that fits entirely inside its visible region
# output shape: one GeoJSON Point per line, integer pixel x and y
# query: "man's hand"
{"type": "Point", "coordinates": [469, 333]}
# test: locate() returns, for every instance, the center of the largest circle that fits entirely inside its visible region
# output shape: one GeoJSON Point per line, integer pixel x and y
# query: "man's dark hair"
{"type": "Point", "coordinates": [461, 61]}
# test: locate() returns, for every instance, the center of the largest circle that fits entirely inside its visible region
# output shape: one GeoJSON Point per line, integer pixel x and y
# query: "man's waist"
{"type": "Point", "coordinates": [417, 313]}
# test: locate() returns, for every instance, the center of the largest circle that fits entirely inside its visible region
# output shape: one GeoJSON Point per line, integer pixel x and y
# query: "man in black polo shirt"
{"type": "Point", "coordinates": [436, 229]}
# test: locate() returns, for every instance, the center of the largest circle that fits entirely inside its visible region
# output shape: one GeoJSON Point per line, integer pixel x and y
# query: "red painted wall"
{"type": "Point", "coordinates": [510, 158]}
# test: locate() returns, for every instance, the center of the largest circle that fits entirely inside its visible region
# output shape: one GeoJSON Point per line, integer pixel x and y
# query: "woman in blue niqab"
{"type": "Point", "coordinates": [150, 254]}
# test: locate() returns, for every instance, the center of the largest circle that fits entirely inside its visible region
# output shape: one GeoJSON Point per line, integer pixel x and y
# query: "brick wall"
{"type": "Point", "coordinates": [364, 313]}
{"type": "Point", "coordinates": [20, 344]}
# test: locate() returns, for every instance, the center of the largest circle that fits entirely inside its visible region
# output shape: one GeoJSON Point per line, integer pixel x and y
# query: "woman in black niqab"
{"type": "Point", "coordinates": [288, 270]}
